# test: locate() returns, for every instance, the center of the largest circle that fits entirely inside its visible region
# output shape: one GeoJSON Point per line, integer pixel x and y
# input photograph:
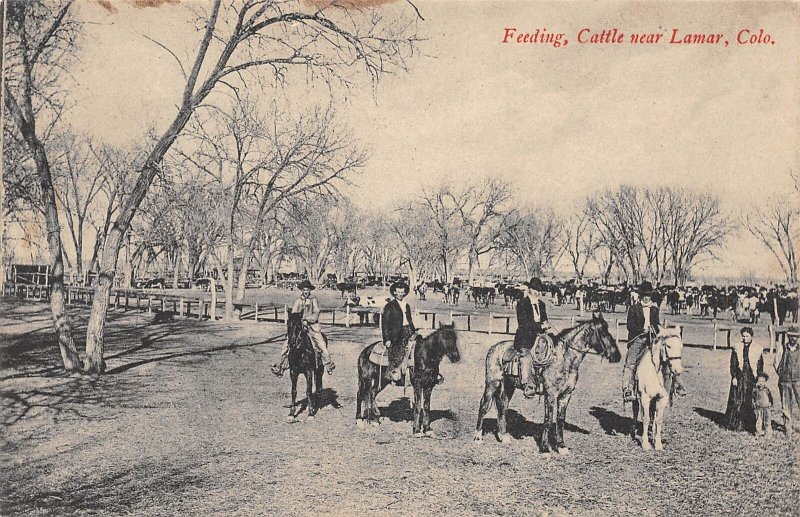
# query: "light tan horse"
{"type": "Point", "coordinates": [654, 382]}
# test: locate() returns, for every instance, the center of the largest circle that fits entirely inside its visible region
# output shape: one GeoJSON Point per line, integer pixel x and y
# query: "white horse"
{"type": "Point", "coordinates": [654, 382]}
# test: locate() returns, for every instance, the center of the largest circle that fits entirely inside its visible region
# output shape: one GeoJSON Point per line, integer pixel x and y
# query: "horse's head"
{"type": "Point", "coordinates": [447, 340]}
{"type": "Point", "coordinates": [671, 348]}
{"type": "Point", "coordinates": [294, 326]}
{"type": "Point", "coordinates": [601, 339]}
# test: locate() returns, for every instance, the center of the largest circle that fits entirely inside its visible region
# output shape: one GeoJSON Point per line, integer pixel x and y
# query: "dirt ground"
{"type": "Point", "coordinates": [188, 419]}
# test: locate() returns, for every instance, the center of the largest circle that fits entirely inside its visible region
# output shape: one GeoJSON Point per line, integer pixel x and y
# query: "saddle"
{"type": "Point", "coordinates": [380, 355]}
{"type": "Point", "coordinates": [541, 357]}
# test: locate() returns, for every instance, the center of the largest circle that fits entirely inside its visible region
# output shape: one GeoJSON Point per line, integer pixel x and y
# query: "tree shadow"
{"type": "Point", "coordinates": [715, 416]}
{"type": "Point", "coordinates": [399, 410]}
{"type": "Point", "coordinates": [611, 422]}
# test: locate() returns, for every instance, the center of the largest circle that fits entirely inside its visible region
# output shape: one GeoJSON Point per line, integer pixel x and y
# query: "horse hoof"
{"type": "Point", "coordinates": [310, 418]}
{"type": "Point", "coordinates": [375, 423]}
{"type": "Point", "coordinates": [290, 418]}
{"type": "Point", "coordinates": [430, 434]}
{"type": "Point", "coordinates": [564, 451]}
{"type": "Point", "coordinates": [646, 446]}
{"type": "Point", "coordinates": [418, 435]}
{"type": "Point", "coordinates": [478, 437]}
{"type": "Point", "coordinates": [545, 454]}
{"type": "Point", "coordinates": [658, 447]}
{"type": "Point", "coordinates": [504, 438]}
{"type": "Point", "coordinates": [360, 423]}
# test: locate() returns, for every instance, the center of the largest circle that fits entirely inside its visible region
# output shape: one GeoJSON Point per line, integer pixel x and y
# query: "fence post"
{"type": "Point", "coordinates": [180, 307]}
{"type": "Point", "coordinates": [451, 317]}
{"type": "Point", "coordinates": [347, 315]}
{"type": "Point", "coordinates": [469, 322]}
{"type": "Point", "coordinates": [772, 337]}
{"type": "Point", "coordinates": [334, 316]}
{"type": "Point", "coordinates": [715, 334]}
{"type": "Point", "coordinates": [255, 316]}
{"type": "Point", "coordinates": [616, 325]}
{"type": "Point", "coordinates": [491, 319]}
{"type": "Point", "coordinates": [285, 314]}
{"type": "Point", "coordinates": [69, 295]}
{"type": "Point", "coordinates": [149, 305]}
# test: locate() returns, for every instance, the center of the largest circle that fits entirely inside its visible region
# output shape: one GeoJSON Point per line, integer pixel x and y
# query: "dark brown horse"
{"type": "Point", "coordinates": [559, 379]}
{"type": "Point", "coordinates": [303, 359]}
{"type": "Point", "coordinates": [428, 354]}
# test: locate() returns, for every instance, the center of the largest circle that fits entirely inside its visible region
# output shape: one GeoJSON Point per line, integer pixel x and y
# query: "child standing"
{"type": "Point", "coordinates": [762, 402]}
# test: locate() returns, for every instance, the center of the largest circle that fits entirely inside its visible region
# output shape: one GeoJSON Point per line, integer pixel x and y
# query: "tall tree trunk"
{"type": "Point", "coordinates": [61, 321]}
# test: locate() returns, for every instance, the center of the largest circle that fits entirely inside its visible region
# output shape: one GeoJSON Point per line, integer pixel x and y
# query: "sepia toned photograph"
{"type": "Point", "coordinates": [400, 257]}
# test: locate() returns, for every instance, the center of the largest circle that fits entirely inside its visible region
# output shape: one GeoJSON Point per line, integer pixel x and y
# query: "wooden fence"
{"type": "Point", "coordinates": [156, 301]}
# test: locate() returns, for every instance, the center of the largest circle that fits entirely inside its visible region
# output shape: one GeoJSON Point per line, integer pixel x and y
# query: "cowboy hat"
{"type": "Point", "coordinates": [645, 288]}
{"type": "Point", "coordinates": [305, 284]}
{"type": "Point", "coordinates": [398, 285]}
{"type": "Point", "coordinates": [535, 283]}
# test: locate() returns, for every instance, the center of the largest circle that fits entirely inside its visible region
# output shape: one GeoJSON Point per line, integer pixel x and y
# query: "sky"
{"type": "Point", "coordinates": [558, 123]}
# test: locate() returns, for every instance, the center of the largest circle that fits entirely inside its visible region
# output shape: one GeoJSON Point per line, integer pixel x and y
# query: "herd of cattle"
{"type": "Point", "coordinates": [739, 303]}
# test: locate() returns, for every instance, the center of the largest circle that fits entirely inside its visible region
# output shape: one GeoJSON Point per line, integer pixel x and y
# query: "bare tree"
{"type": "Point", "coordinates": [241, 39]}
{"type": "Point", "coordinates": [693, 226]}
{"type": "Point", "coordinates": [482, 211]}
{"type": "Point", "coordinates": [378, 243]}
{"type": "Point", "coordinates": [775, 224]}
{"type": "Point", "coordinates": [417, 245]}
{"type": "Point", "coordinates": [533, 237]}
{"type": "Point", "coordinates": [443, 206]}
{"type": "Point", "coordinates": [40, 44]}
{"type": "Point", "coordinates": [583, 239]}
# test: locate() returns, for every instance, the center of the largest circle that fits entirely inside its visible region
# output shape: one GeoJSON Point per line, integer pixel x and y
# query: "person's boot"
{"type": "Point", "coordinates": [529, 387]}
{"type": "Point", "coordinates": [281, 367]}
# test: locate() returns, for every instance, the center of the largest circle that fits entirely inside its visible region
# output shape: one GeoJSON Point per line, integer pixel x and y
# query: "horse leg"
{"type": "Point", "coordinates": [417, 426]}
{"type": "Point", "coordinates": [293, 377]}
{"type": "Point", "coordinates": [426, 411]}
{"type": "Point", "coordinates": [658, 423]}
{"type": "Point", "coordinates": [644, 407]}
{"type": "Point", "coordinates": [501, 400]}
{"type": "Point", "coordinates": [312, 409]}
{"type": "Point", "coordinates": [548, 431]}
{"type": "Point", "coordinates": [486, 402]}
{"type": "Point", "coordinates": [359, 401]}
{"type": "Point", "coordinates": [563, 402]}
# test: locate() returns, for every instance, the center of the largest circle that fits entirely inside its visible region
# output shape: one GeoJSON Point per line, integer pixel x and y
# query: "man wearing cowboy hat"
{"type": "Point", "coordinates": [531, 321]}
{"type": "Point", "coordinates": [397, 325]}
{"type": "Point", "coordinates": [309, 306]}
{"type": "Point", "coordinates": [643, 324]}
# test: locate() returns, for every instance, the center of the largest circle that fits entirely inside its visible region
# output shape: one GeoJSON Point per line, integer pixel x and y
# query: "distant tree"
{"type": "Point", "coordinates": [533, 237]}
{"type": "Point", "coordinates": [776, 224]}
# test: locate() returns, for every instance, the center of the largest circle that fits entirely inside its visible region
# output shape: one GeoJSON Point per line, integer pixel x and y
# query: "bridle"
{"type": "Point", "coordinates": [588, 349]}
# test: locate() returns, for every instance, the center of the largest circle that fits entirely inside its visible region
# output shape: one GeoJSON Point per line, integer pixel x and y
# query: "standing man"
{"type": "Point", "coordinates": [308, 305]}
{"type": "Point", "coordinates": [787, 364]}
{"type": "Point", "coordinates": [531, 321]}
{"type": "Point", "coordinates": [397, 327]}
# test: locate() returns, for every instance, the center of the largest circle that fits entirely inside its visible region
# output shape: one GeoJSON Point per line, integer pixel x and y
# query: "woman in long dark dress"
{"type": "Point", "coordinates": [747, 361]}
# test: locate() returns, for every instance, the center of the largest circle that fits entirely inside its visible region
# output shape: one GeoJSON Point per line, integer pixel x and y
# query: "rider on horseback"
{"type": "Point", "coordinates": [643, 325]}
{"type": "Point", "coordinates": [397, 325]}
{"type": "Point", "coordinates": [308, 305]}
{"type": "Point", "coordinates": [531, 321]}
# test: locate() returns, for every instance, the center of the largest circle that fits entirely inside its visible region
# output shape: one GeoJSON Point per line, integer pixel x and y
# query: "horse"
{"type": "Point", "coordinates": [559, 379]}
{"type": "Point", "coordinates": [428, 354]}
{"type": "Point", "coordinates": [654, 384]}
{"type": "Point", "coordinates": [303, 359]}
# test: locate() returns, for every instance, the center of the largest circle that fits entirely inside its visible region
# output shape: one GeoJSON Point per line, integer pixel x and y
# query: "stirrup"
{"type": "Point", "coordinates": [330, 367]}
{"type": "Point", "coordinates": [277, 370]}
{"type": "Point", "coordinates": [628, 395]}
{"type": "Point", "coordinates": [529, 391]}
